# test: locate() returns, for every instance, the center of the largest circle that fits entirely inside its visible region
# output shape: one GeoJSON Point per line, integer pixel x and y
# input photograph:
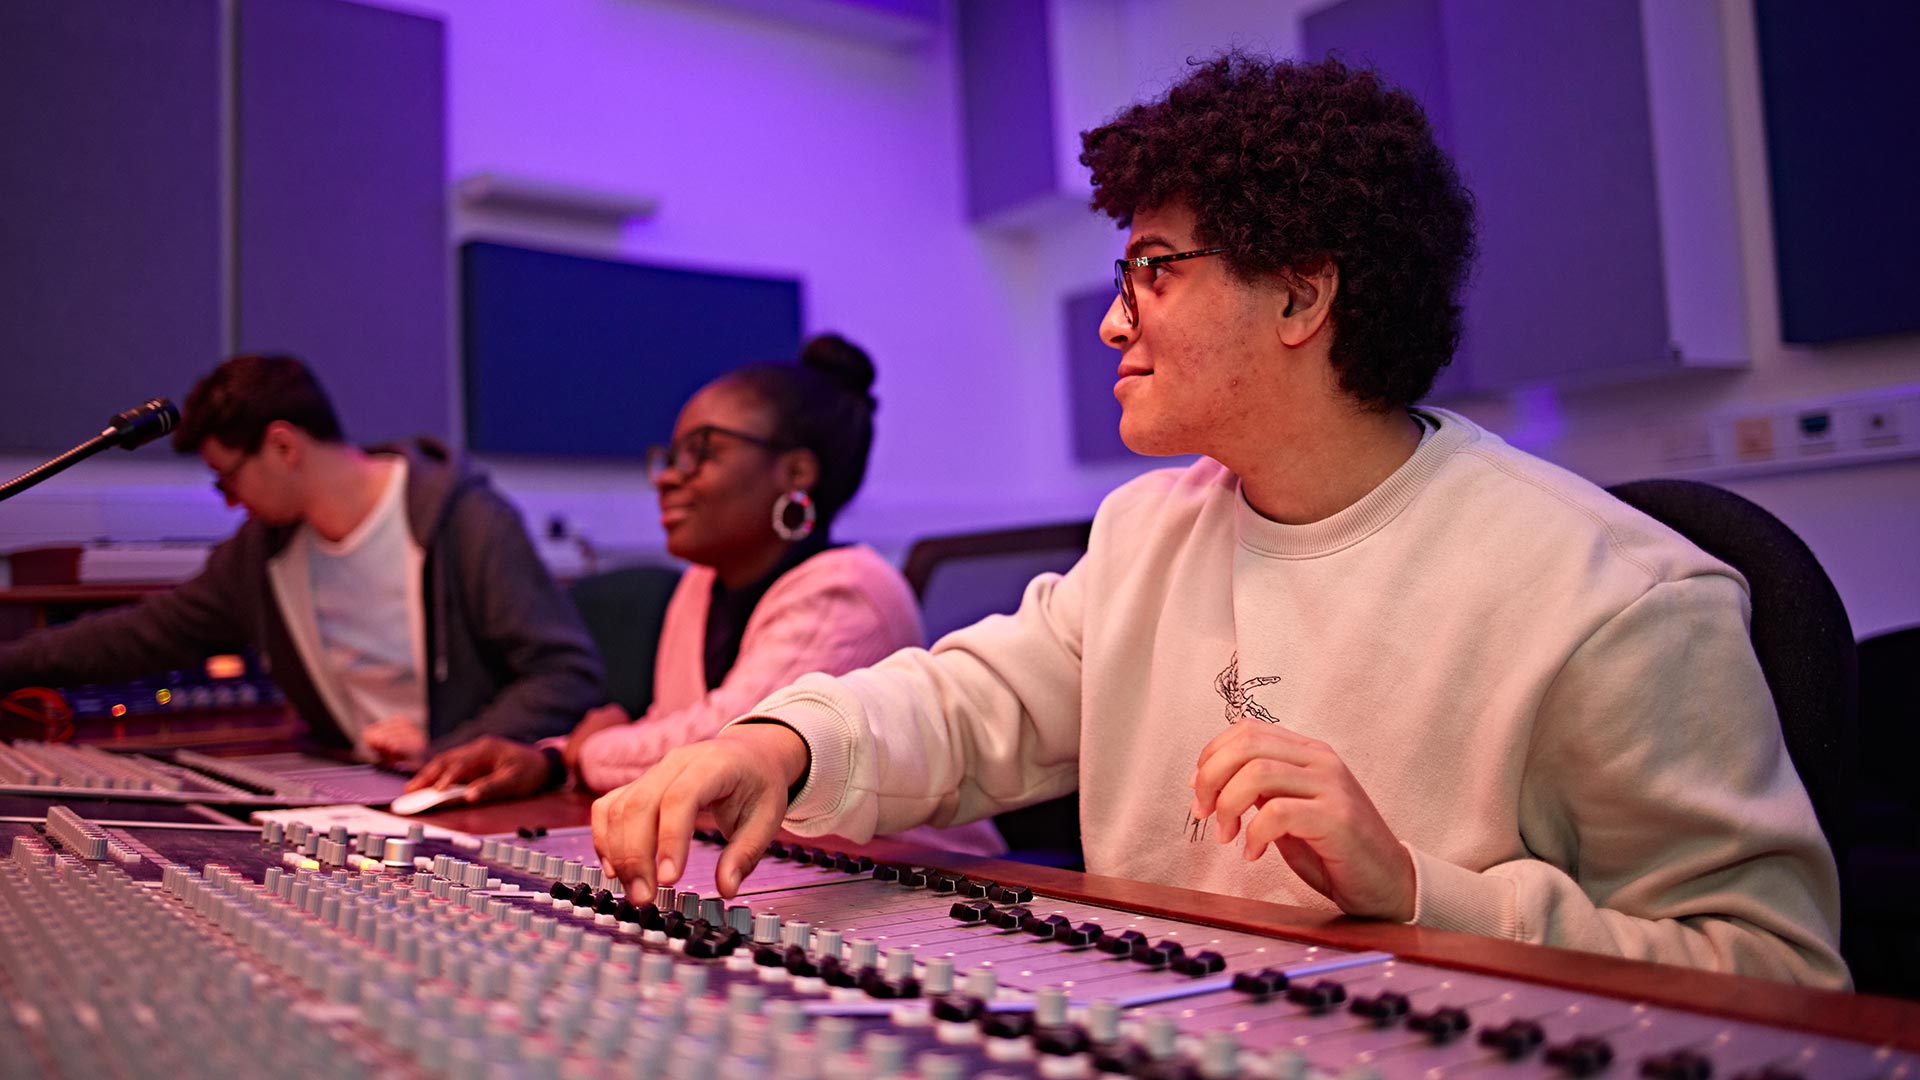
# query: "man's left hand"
{"type": "Point", "coordinates": [398, 741]}
{"type": "Point", "coordinates": [1308, 805]}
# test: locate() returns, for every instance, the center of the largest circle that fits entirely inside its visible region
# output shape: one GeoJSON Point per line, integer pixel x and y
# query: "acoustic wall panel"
{"type": "Point", "coordinates": [1006, 94]}
{"type": "Point", "coordinates": [1842, 97]}
{"type": "Point", "coordinates": [1593, 139]}
{"type": "Point", "coordinates": [110, 240]}
{"type": "Point", "coordinates": [1401, 39]}
{"type": "Point", "coordinates": [1091, 369]}
{"type": "Point", "coordinates": [1549, 112]}
{"type": "Point", "coordinates": [341, 206]}
{"type": "Point", "coordinates": [574, 357]}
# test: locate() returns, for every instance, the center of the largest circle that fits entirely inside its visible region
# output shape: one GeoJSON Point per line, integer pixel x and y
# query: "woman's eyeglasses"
{"type": "Point", "coordinates": [687, 453]}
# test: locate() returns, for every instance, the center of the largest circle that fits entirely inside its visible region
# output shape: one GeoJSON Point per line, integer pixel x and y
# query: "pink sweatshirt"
{"type": "Point", "coordinates": [842, 609]}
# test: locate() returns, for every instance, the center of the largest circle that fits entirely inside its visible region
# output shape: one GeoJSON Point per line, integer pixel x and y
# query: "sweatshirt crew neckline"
{"type": "Point", "coordinates": [1263, 536]}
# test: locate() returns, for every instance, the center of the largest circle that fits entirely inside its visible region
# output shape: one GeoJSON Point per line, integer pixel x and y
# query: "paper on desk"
{"type": "Point", "coordinates": [359, 819]}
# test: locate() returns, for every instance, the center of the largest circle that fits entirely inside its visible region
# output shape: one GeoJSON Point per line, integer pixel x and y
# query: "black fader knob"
{"type": "Point", "coordinates": [1514, 1039]}
{"type": "Point", "coordinates": [1008, 918]}
{"type": "Point", "coordinates": [1082, 936]}
{"type": "Point", "coordinates": [1442, 1025]}
{"type": "Point", "coordinates": [958, 1009]}
{"type": "Point", "coordinates": [1583, 1056]}
{"type": "Point", "coordinates": [1383, 1009]}
{"type": "Point", "coordinates": [1158, 954]}
{"type": "Point", "coordinates": [970, 912]}
{"type": "Point", "coordinates": [1262, 984]}
{"type": "Point", "coordinates": [1317, 997]}
{"type": "Point", "coordinates": [1204, 962]}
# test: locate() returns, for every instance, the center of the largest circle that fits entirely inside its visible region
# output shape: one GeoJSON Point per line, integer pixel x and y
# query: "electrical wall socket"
{"type": "Point", "coordinates": [1871, 425]}
{"type": "Point", "coordinates": [1687, 446]}
{"type": "Point", "coordinates": [1880, 426]}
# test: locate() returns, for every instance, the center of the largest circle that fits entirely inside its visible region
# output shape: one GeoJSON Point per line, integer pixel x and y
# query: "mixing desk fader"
{"type": "Point", "coordinates": [161, 948]}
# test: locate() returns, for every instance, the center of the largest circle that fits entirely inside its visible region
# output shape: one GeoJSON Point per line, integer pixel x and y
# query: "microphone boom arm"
{"type": "Point", "coordinates": [133, 428]}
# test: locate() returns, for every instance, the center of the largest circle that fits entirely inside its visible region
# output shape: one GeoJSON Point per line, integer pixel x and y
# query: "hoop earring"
{"type": "Point", "coordinates": [787, 501]}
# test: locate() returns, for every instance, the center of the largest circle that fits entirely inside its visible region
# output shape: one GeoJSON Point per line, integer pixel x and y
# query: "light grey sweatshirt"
{"type": "Point", "coordinates": [1550, 697]}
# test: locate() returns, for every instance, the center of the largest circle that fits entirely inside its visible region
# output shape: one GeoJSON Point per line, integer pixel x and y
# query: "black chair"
{"type": "Point", "coordinates": [1800, 633]}
{"type": "Point", "coordinates": [962, 579]}
{"type": "Point", "coordinates": [623, 610]}
{"type": "Point", "coordinates": [1882, 882]}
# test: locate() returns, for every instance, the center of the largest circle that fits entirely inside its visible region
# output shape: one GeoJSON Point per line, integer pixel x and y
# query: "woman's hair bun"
{"type": "Point", "coordinates": [843, 363]}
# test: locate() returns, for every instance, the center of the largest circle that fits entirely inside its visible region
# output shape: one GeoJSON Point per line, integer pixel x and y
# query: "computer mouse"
{"type": "Point", "coordinates": [414, 802]}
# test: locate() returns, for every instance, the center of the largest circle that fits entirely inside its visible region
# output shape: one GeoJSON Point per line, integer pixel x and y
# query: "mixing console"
{"type": "Point", "coordinates": [33, 768]}
{"type": "Point", "coordinates": [301, 778]}
{"type": "Point", "coordinates": [151, 948]}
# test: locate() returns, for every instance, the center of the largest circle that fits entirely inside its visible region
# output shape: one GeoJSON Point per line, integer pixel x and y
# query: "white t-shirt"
{"type": "Point", "coordinates": [354, 611]}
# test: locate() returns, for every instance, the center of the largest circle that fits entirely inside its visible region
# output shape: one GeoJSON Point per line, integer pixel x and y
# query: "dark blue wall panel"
{"type": "Point", "coordinates": [110, 236]}
{"type": "Point", "coordinates": [576, 357]}
{"type": "Point", "coordinates": [342, 206]}
{"type": "Point", "coordinates": [1842, 106]}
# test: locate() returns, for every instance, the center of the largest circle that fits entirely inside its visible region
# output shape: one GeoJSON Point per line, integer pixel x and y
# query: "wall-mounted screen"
{"type": "Point", "coordinates": [575, 357]}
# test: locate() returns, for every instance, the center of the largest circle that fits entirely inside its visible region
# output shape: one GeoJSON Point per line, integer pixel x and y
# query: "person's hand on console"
{"type": "Point", "coordinates": [1307, 804]}
{"type": "Point", "coordinates": [490, 766]}
{"type": "Point", "coordinates": [742, 775]}
{"type": "Point", "coordinates": [397, 741]}
{"type": "Point", "coordinates": [596, 721]}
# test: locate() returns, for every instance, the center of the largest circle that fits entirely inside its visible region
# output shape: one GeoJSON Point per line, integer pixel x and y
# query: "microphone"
{"type": "Point", "coordinates": [134, 428]}
{"type": "Point", "coordinates": [143, 423]}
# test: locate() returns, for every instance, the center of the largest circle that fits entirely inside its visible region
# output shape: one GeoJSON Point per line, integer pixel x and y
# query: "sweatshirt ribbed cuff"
{"type": "Point", "coordinates": [829, 738]}
{"type": "Point", "coordinates": [1449, 897]}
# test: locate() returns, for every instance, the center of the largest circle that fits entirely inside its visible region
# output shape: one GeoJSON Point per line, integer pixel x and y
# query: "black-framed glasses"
{"type": "Point", "coordinates": [223, 481]}
{"type": "Point", "coordinates": [1123, 275]}
{"type": "Point", "coordinates": [687, 453]}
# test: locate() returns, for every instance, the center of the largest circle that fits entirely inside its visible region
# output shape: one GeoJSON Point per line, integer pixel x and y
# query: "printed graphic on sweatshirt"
{"type": "Point", "coordinates": [1240, 705]}
{"type": "Point", "coordinates": [1239, 695]}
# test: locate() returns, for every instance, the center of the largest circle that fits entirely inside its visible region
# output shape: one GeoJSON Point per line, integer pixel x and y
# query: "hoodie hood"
{"type": "Point", "coordinates": [437, 475]}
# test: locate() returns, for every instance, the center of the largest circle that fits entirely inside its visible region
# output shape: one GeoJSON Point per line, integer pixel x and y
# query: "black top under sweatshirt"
{"type": "Point", "coordinates": [729, 609]}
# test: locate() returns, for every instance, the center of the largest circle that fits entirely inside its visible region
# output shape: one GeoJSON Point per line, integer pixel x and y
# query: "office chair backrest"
{"type": "Point", "coordinates": [963, 579]}
{"type": "Point", "coordinates": [623, 610]}
{"type": "Point", "coordinates": [1890, 733]}
{"type": "Point", "coordinates": [1800, 632]}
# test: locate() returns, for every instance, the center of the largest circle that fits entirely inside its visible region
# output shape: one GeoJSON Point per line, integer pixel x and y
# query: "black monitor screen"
{"type": "Point", "coordinates": [589, 358]}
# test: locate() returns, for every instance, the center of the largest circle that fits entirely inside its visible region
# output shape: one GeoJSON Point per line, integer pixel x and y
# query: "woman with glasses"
{"type": "Point", "coordinates": [761, 462]}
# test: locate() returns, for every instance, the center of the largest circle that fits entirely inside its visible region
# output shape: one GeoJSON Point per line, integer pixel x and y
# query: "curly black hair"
{"type": "Point", "coordinates": [1293, 165]}
{"type": "Point", "coordinates": [823, 403]}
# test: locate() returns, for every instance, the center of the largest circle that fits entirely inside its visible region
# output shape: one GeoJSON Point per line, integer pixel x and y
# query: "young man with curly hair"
{"type": "Point", "coordinates": [1362, 655]}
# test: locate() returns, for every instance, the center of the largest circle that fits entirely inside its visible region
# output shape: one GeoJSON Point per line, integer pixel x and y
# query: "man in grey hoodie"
{"type": "Point", "coordinates": [392, 592]}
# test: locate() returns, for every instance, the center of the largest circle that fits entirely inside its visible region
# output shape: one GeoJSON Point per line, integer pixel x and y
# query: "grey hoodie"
{"type": "Point", "coordinates": [507, 654]}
